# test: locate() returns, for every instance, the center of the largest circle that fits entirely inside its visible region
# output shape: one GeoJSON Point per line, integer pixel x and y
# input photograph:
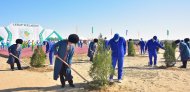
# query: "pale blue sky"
{"type": "Point", "coordinates": [146, 17]}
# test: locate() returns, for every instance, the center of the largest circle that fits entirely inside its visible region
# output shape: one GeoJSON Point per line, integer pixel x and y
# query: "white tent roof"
{"type": "Point", "coordinates": [83, 38]}
{"type": "Point", "coordinates": [24, 31]}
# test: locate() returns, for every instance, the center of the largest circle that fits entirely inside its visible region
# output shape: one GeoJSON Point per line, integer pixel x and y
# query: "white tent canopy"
{"type": "Point", "coordinates": [83, 38]}
{"type": "Point", "coordinates": [24, 31]}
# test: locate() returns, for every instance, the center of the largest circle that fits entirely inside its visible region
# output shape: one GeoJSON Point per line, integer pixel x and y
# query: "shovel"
{"type": "Point", "coordinates": [73, 70]}
{"type": "Point", "coordinates": [20, 60]}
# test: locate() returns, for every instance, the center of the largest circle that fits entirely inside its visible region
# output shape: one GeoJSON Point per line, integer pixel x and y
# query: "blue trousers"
{"type": "Point", "coordinates": [2, 46]}
{"type": "Point", "coordinates": [142, 50]}
{"type": "Point", "coordinates": [8, 45]}
{"type": "Point", "coordinates": [119, 64]}
{"type": "Point", "coordinates": [51, 57]}
{"type": "Point", "coordinates": [152, 54]}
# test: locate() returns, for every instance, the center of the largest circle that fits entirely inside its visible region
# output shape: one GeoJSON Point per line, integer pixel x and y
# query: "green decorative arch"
{"type": "Point", "coordinates": [1, 38]}
{"type": "Point", "coordinates": [54, 32]}
{"type": "Point", "coordinates": [40, 35]}
{"type": "Point", "coordinates": [9, 34]}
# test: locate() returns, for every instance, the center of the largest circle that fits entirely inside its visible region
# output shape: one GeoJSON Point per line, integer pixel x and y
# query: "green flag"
{"type": "Point", "coordinates": [92, 30]}
{"type": "Point", "coordinates": [126, 32]}
{"type": "Point", "coordinates": [167, 32]}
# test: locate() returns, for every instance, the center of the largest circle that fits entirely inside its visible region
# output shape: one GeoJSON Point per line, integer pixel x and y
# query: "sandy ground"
{"type": "Point", "coordinates": [137, 78]}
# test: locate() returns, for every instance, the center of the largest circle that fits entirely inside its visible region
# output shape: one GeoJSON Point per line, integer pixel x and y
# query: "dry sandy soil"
{"type": "Point", "coordinates": [137, 78]}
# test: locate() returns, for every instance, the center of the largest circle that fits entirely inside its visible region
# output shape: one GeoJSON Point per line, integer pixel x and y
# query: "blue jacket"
{"type": "Point", "coordinates": [91, 49]}
{"type": "Point", "coordinates": [184, 51]}
{"type": "Point", "coordinates": [49, 46]}
{"type": "Point", "coordinates": [60, 50]}
{"type": "Point", "coordinates": [118, 48]}
{"type": "Point", "coordinates": [2, 43]}
{"type": "Point", "coordinates": [151, 46]}
{"type": "Point", "coordinates": [106, 43]}
{"type": "Point", "coordinates": [13, 49]}
{"type": "Point", "coordinates": [142, 44]}
{"type": "Point", "coordinates": [52, 48]}
{"type": "Point", "coordinates": [188, 44]}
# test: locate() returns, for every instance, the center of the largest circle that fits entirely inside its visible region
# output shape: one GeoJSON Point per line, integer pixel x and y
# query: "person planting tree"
{"type": "Point", "coordinates": [118, 48]}
{"type": "Point", "coordinates": [92, 49]}
{"type": "Point", "coordinates": [15, 50]}
{"type": "Point", "coordinates": [184, 52]}
{"type": "Point", "coordinates": [64, 49]}
{"type": "Point", "coordinates": [151, 46]}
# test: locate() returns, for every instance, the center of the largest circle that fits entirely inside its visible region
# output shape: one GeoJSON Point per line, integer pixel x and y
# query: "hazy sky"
{"type": "Point", "coordinates": [144, 17]}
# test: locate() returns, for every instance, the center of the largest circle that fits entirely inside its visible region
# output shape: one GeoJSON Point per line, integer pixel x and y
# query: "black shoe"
{"type": "Point", "coordinates": [72, 85]}
{"type": "Point", "coordinates": [149, 65]}
{"type": "Point", "coordinates": [20, 69]}
{"type": "Point", "coordinates": [182, 67]}
{"type": "Point", "coordinates": [12, 69]}
{"type": "Point", "coordinates": [62, 86]}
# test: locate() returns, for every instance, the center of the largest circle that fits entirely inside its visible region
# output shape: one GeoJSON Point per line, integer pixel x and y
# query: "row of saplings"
{"type": "Point", "coordinates": [101, 68]}
{"type": "Point", "coordinates": [169, 53]}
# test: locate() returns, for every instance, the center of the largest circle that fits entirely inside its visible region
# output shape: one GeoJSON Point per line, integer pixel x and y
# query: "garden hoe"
{"type": "Point", "coordinates": [73, 70]}
{"type": "Point", "coordinates": [20, 60]}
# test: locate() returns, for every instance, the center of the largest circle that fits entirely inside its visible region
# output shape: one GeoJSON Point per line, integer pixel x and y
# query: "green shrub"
{"type": "Point", "coordinates": [101, 67]}
{"type": "Point", "coordinates": [131, 48]}
{"type": "Point", "coordinates": [38, 58]}
{"type": "Point", "coordinates": [169, 55]}
{"type": "Point", "coordinates": [174, 46]}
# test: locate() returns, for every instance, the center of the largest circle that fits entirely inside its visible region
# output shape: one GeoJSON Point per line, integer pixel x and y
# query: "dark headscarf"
{"type": "Point", "coordinates": [73, 38]}
{"type": "Point", "coordinates": [19, 41]}
{"type": "Point", "coordinates": [95, 40]}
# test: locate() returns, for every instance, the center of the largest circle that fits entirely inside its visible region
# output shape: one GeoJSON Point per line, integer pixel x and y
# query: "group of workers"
{"type": "Point", "coordinates": [4, 45]}
{"type": "Point", "coordinates": [64, 49]}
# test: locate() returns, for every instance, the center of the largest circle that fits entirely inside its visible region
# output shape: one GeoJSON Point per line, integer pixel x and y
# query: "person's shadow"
{"type": "Point", "coordinates": [16, 68]}
{"type": "Point", "coordinates": [81, 61]}
{"type": "Point", "coordinates": [145, 68]}
{"type": "Point", "coordinates": [79, 87]}
{"type": "Point", "coordinates": [6, 70]}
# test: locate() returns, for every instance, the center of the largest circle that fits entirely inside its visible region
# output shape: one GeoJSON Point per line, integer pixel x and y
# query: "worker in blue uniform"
{"type": "Point", "coordinates": [118, 48]}
{"type": "Point", "coordinates": [151, 45]}
{"type": "Point", "coordinates": [92, 49]}
{"type": "Point", "coordinates": [65, 50]}
{"type": "Point", "coordinates": [186, 40]}
{"type": "Point", "coordinates": [2, 44]}
{"type": "Point", "coordinates": [184, 52]}
{"type": "Point", "coordinates": [15, 50]}
{"type": "Point", "coordinates": [50, 50]}
{"type": "Point", "coordinates": [106, 43]}
{"type": "Point", "coordinates": [142, 46]}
